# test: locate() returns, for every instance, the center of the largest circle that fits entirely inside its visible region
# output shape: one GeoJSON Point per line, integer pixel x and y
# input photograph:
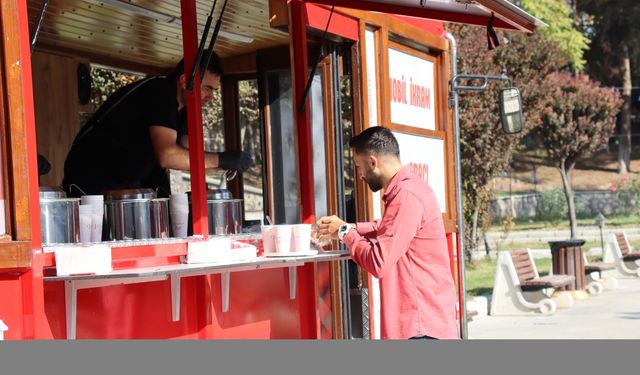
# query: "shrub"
{"type": "Point", "coordinates": [553, 205]}
{"type": "Point", "coordinates": [628, 192]}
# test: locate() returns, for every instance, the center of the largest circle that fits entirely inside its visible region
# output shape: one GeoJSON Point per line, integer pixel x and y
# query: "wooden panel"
{"type": "Point", "coordinates": [15, 255]}
{"type": "Point", "coordinates": [278, 13]}
{"type": "Point", "coordinates": [56, 107]}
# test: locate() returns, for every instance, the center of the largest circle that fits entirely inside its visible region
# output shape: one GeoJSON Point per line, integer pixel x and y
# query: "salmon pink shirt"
{"type": "Point", "coordinates": [407, 251]}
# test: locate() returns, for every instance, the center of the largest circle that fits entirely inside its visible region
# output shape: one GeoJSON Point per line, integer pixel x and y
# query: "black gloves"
{"type": "Point", "coordinates": [234, 161]}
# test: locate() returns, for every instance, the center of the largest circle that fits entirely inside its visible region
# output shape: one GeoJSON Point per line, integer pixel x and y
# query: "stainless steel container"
{"type": "Point", "coordinates": [59, 217]}
{"type": "Point", "coordinates": [128, 213]}
{"type": "Point", "coordinates": [224, 213]}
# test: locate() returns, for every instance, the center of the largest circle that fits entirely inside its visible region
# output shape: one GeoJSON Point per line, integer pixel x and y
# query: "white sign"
{"type": "Point", "coordinates": [426, 156]}
{"type": "Point", "coordinates": [372, 82]}
{"type": "Point", "coordinates": [411, 90]}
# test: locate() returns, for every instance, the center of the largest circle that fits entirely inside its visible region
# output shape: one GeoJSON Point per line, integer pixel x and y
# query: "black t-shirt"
{"type": "Point", "coordinates": [117, 153]}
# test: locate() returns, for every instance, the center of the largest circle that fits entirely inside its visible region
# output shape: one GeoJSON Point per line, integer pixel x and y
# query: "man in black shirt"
{"type": "Point", "coordinates": [138, 133]}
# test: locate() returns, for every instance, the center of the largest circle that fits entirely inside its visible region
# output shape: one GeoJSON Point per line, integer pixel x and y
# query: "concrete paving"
{"type": "Point", "coordinates": [613, 314]}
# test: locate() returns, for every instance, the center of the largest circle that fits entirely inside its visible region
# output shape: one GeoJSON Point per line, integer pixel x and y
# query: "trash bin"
{"type": "Point", "coordinates": [567, 259]}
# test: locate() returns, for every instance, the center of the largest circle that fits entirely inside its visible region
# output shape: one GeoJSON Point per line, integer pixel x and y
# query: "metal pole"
{"type": "Point", "coordinates": [601, 238]}
{"type": "Point", "coordinates": [43, 11]}
{"type": "Point", "coordinates": [453, 99]}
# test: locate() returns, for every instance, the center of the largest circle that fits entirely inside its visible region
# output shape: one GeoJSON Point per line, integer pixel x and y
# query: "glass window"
{"type": "Point", "coordinates": [318, 146]}
{"type": "Point", "coordinates": [284, 160]}
{"type": "Point", "coordinates": [250, 137]}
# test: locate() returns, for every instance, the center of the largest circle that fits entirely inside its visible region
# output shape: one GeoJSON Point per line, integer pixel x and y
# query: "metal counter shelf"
{"type": "Point", "coordinates": [175, 272]}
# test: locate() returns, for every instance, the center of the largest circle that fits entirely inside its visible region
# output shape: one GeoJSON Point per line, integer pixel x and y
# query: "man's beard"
{"type": "Point", "coordinates": [373, 181]}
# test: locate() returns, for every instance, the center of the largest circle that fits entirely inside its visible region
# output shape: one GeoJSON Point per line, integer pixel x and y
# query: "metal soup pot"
{"type": "Point", "coordinates": [224, 213]}
{"type": "Point", "coordinates": [59, 217]}
{"type": "Point", "coordinates": [128, 213]}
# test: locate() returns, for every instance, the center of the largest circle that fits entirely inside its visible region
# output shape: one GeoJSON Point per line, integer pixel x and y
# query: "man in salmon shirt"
{"type": "Point", "coordinates": [406, 249]}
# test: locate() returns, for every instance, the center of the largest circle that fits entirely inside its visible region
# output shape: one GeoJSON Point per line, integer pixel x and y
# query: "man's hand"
{"type": "Point", "coordinates": [328, 227]}
{"type": "Point", "coordinates": [234, 161]}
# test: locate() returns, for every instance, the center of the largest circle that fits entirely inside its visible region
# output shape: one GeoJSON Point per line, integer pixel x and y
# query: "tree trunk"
{"type": "Point", "coordinates": [473, 246]}
{"type": "Point", "coordinates": [487, 246]}
{"type": "Point", "coordinates": [565, 171]}
{"type": "Point", "coordinates": [624, 151]}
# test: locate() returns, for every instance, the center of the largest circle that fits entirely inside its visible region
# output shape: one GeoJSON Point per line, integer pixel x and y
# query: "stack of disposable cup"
{"type": "Point", "coordinates": [97, 215]}
{"type": "Point", "coordinates": [85, 221]}
{"type": "Point", "coordinates": [179, 214]}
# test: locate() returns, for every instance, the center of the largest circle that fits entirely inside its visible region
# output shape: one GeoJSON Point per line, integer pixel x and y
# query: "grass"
{"type": "Point", "coordinates": [521, 225]}
{"type": "Point", "coordinates": [481, 274]}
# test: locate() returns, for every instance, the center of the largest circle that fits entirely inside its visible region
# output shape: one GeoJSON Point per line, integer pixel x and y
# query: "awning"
{"type": "Point", "coordinates": [474, 12]}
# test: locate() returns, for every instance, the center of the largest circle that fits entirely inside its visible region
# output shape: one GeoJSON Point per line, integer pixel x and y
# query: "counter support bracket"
{"type": "Point", "coordinates": [293, 282]}
{"type": "Point", "coordinates": [71, 288]}
{"type": "Point", "coordinates": [175, 297]}
{"type": "Point", "coordinates": [225, 280]}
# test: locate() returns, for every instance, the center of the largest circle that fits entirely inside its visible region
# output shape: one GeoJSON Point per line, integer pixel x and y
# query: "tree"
{"type": "Point", "coordinates": [485, 149]}
{"type": "Point", "coordinates": [612, 25]}
{"type": "Point", "coordinates": [577, 119]}
{"type": "Point", "coordinates": [561, 28]}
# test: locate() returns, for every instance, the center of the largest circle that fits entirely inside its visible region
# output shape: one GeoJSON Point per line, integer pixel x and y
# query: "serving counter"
{"type": "Point", "coordinates": [267, 297]}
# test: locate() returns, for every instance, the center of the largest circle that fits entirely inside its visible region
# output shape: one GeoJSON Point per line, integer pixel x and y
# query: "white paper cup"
{"type": "Point", "coordinates": [179, 223]}
{"type": "Point", "coordinates": [97, 202]}
{"type": "Point", "coordinates": [179, 200]}
{"type": "Point", "coordinates": [282, 238]}
{"type": "Point", "coordinates": [300, 237]}
{"type": "Point", "coordinates": [85, 220]}
{"type": "Point", "coordinates": [92, 199]}
{"type": "Point", "coordinates": [268, 240]}
{"type": "Point", "coordinates": [97, 218]}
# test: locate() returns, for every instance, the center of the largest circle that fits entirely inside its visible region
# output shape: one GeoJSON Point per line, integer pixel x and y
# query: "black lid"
{"type": "Point", "coordinates": [555, 245]}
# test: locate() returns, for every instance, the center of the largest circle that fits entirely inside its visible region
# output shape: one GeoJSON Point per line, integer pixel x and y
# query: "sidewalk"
{"type": "Point", "coordinates": [611, 315]}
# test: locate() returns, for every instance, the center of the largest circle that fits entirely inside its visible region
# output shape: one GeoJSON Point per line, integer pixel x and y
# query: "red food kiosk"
{"type": "Point", "coordinates": [373, 63]}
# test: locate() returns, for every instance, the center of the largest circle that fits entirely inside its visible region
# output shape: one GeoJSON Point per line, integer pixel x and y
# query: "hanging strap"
{"type": "Point", "coordinates": [93, 123]}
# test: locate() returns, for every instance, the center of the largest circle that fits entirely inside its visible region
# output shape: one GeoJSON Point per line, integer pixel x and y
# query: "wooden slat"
{"type": "Point", "coordinates": [622, 243]}
{"type": "Point", "coordinates": [598, 267]}
{"type": "Point", "coordinates": [103, 32]}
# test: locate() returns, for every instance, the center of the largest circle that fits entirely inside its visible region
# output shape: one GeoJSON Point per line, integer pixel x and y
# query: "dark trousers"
{"type": "Point", "coordinates": [425, 337]}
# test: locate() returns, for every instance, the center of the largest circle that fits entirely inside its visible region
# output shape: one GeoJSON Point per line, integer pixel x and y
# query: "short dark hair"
{"type": "Point", "coordinates": [375, 140]}
{"type": "Point", "coordinates": [214, 67]}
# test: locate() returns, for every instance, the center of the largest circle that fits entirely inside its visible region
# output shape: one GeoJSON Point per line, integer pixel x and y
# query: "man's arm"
{"type": "Point", "coordinates": [171, 155]}
{"type": "Point", "coordinates": [398, 227]}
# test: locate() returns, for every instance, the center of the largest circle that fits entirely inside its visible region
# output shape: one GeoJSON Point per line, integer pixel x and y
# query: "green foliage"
{"type": "Point", "coordinates": [553, 206]}
{"type": "Point", "coordinates": [561, 28]}
{"type": "Point", "coordinates": [106, 81]}
{"type": "Point", "coordinates": [613, 27]}
{"type": "Point", "coordinates": [486, 150]}
{"type": "Point", "coordinates": [578, 118]}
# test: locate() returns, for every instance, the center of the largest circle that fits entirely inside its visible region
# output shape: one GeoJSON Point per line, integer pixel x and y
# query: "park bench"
{"type": "Point", "coordinates": [519, 290]}
{"type": "Point", "coordinates": [596, 281]}
{"type": "Point", "coordinates": [619, 252]}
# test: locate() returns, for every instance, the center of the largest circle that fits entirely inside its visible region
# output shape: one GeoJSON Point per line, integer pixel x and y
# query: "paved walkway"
{"type": "Point", "coordinates": [612, 315]}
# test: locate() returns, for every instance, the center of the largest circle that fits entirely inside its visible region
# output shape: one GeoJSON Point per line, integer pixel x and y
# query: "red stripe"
{"type": "Point", "coordinates": [317, 16]}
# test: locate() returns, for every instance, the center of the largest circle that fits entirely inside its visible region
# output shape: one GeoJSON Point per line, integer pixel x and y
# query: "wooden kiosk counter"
{"type": "Point", "coordinates": [372, 62]}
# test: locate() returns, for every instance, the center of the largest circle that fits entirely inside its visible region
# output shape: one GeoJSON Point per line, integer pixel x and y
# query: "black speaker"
{"type": "Point", "coordinates": [84, 84]}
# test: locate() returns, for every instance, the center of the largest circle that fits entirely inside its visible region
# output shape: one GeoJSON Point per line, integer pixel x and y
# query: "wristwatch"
{"type": "Point", "coordinates": [344, 229]}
